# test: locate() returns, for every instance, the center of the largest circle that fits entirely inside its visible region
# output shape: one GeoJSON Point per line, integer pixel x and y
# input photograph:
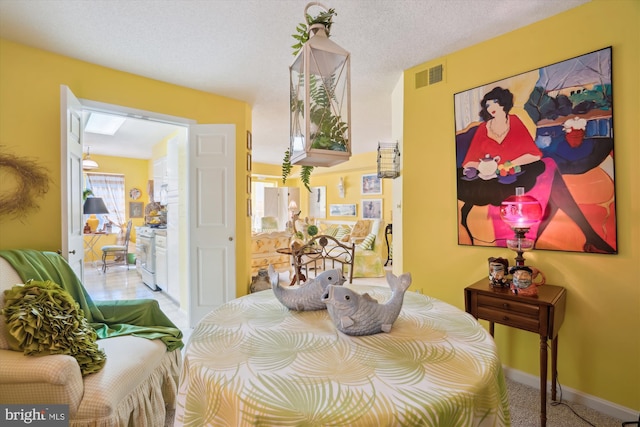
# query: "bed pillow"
{"type": "Point", "coordinates": [42, 318]}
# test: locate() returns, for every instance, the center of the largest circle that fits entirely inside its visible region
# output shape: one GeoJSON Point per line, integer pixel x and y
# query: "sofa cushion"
{"type": "Point", "coordinates": [361, 228]}
{"type": "Point", "coordinates": [342, 234]}
{"type": "Point", "coordinates": [42, 318]}
{"type": "Point", "coordinates": [368, 242]}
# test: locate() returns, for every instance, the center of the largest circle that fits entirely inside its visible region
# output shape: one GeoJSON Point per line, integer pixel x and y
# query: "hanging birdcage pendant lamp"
{"type": "Point", "coordinates": [320, 89]}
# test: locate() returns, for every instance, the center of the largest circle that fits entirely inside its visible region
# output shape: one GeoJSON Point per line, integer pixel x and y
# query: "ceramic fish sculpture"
{"type": "Point", "coordinates": [356, 314]}
{"type": "Point", "coordinates": [308, 296]}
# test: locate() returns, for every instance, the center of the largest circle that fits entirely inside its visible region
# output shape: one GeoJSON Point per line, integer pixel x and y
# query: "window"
{"type": "Point", "coordinates": [110, 187]}
{"type": "Point", "coordinates": [257, 202]}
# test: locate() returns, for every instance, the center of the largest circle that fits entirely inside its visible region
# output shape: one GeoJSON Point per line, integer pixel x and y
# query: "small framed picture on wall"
{"type": "Point", "coordinates": [342, 210]}
{"type": "Point", "coordinates": [371, 208]}
{"type": "Point", "coordinates": [135, 209]}
{"type": "Point", "coordinates": [371, 184]}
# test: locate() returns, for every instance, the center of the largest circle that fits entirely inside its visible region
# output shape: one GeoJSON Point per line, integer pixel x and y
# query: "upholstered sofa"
{"type": "Point", "coordinates": [264, 251]}
{"type": "Point", "coordinates": [136, 386]}
{"type": "Point", "coordinates": [366, 235]}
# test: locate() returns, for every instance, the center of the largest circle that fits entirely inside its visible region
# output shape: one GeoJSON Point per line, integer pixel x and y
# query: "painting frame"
{"type": "Point", "coordinates": [343, 209]}
{"type": "Point", "coordinates": [136, 209]}
{"type": "Point", "coordinates": [554, 137]}
{"type": "Point", "coordinates": [370, 184]}
{"type": "Point", "coordinates": [371, 208]}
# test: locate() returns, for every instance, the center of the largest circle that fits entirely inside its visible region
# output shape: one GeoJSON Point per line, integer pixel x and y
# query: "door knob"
{"type": "Point", "coordinates": [230, 239]}
{"type": "Point", "coordinates": [73, 252]}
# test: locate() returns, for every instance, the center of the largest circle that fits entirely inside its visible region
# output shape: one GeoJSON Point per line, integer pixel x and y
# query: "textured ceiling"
{"type": "Point", "coordinates": [242, 49]}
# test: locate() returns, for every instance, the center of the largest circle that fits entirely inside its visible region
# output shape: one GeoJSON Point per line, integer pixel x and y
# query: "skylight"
{"type": "Point", "coordinates": [104, 124]}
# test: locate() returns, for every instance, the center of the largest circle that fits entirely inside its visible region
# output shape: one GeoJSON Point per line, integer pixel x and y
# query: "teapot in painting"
{"type": "Point", "coordinates": [488, 166]}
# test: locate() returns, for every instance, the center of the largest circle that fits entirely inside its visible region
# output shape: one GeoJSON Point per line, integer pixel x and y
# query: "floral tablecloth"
{"type": "Point", "coordinates": [254, 362]}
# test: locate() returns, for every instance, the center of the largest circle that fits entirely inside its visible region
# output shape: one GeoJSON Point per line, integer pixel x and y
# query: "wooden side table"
{"type": "Point", "coordinates": [543, 314]}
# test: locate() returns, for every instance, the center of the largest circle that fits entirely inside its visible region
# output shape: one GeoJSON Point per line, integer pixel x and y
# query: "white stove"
{"type": "Point", "coordinates": [146, 256]}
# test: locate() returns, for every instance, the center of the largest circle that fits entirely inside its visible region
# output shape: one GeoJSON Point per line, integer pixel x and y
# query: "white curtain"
{"type": "Point", "coordinates": [111, 188]}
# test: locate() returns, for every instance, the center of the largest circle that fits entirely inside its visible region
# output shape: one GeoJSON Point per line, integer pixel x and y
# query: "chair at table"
{"type": "Point", "coordinates": [320, 249]}
{"type": "Point", "coordinates": [118, 252]}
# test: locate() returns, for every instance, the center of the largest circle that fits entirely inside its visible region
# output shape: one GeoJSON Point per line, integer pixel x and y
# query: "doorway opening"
{"type": "Point", "coordinates": [159, 143]}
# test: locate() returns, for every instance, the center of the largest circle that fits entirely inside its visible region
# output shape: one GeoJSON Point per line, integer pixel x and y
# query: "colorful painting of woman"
{"type": "Point", "coordinates": [502, 154]}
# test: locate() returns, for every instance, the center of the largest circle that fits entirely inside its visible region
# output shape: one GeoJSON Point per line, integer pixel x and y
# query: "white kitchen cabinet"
{"type": "Point", "coordinates": [161, 260]}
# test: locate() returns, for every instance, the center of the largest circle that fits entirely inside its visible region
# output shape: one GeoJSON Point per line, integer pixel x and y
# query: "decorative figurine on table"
{"type": "Point", "coordinates": [523, 280]}
{"type": "Point", "coordinates": [308, 296]}
{"type": "Point", "coordinates": [498, 268]}
{"type": "Point", "coordinates": [356, 314]}
{"type": "Point", "coordinates": [260, 282]}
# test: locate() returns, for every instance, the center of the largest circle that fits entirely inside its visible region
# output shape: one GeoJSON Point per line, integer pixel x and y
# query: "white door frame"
{"type": "Point", "coordinates": [148, 115]}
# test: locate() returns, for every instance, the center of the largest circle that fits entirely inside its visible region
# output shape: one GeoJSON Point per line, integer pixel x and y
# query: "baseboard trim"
{"type": "Point", "coordinates": [572, 395]}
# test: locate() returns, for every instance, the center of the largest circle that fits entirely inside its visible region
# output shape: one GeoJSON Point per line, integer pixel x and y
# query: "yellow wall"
{"type": "Point", "coordinates": [30, 82]}
{"type": "Point", "coordinates": [599, 344]}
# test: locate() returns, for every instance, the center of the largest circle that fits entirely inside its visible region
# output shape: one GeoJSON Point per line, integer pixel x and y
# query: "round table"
{"type": "Point", "coordinates": [253, 362]}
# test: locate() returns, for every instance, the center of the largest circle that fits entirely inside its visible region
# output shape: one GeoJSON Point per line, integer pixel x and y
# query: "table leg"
{"type": "Point", "coordinates": [298, 274]}
{"type": "Point", "coordinates": [543, 381]}
{"type": "Point", "coordinates": [89, 248]}
{"type": "Point", "coordinates": [554, 367]}
{"type": "Point", "coordinates": [491, 328]}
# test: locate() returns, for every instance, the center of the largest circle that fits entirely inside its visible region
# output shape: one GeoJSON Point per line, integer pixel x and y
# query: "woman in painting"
{"type": "Point", "coordinates": [501, 156]}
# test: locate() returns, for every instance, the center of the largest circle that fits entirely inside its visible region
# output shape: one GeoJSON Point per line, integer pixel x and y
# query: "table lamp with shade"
{"type": "Point", "coordinates": [93, 206]}
{"type": "Point", "coordinates": [520, 212]}
{"type": "Point", "coordinates": [293, 208]}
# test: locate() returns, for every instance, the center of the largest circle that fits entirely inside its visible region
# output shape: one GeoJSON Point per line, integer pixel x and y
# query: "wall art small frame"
{"type": "Point", "coordinates": [249, 141]}
{"type": "Point", "coordinates": [371, 208]}
{"type": "Point", "coordinates": [136, 209]}
{"type": "Point", "coordinates": [248, 162]}
{"type": "Point", "coordinates": [342, 210]}
{"type": "Point", "coordinates": [370, 184]}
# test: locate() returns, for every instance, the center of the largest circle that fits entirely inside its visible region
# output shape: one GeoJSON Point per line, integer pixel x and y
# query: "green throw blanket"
{"type": "Point", "coordinates": [141, 317]}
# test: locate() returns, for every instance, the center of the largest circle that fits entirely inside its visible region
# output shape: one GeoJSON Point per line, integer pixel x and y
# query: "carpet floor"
{"type": "Point", "coordinates": [524, 404]}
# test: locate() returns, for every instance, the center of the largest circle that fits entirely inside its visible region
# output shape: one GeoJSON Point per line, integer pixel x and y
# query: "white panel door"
{"type": "Point", "coordinates": [212, 224]}
{"type": "Point", "coordinates": [71, 180]}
